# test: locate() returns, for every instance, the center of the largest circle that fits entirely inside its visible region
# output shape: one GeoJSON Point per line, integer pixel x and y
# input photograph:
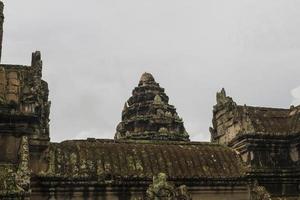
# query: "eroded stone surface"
{"type": "Point", "coordinates": [161, 189]}
{"type": "Point", "coordinates": [147, 115]}
{"type": "Point", "coordinates": [268, 140]}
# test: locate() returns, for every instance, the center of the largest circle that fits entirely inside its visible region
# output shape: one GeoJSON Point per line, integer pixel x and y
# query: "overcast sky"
{"type": "Point", "coordinates": [94, 52]}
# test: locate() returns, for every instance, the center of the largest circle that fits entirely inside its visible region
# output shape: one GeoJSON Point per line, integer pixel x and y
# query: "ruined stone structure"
{"type": "Point", "coordinates": [254, 153]}
{"type": "Point", "coordinates": [267, 140]}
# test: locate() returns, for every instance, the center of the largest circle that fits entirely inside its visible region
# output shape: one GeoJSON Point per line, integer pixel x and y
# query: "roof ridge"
{"type": "Point", "coordinates": [141, 142]}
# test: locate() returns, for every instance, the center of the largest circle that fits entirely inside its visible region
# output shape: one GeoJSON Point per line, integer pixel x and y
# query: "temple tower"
{"type": "Point", "coordinates": [147, 115]}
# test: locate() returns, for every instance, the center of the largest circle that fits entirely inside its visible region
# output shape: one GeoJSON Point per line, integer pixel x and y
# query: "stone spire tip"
{"type": "Point", "coordinates": [147, 78]}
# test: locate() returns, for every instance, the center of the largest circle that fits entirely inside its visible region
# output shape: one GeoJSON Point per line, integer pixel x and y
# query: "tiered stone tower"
{"type": "Point", "coordinates": [147, 115]}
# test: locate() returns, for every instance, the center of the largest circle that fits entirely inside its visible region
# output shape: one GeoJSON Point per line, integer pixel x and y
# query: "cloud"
{"type": "Point", "coordinates": [296, 96]}
{"type": "Point", "coordinates": [95, 51]}
{"type": "Point", "coordinates": [91, 133]}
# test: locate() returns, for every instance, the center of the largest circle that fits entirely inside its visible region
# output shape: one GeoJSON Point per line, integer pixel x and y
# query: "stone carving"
{"type": "Point", "coordinates": [16, 182]}
{"type": "Point", "coordinates": [222, 98]}
{"type": "Point", "coordinates": [161, 189]}
{"type": "Point", "coordinates": [23, 171]}
{"type": "Point", "coordinates": [246, 123]}
{"type": "Point", "coordinates": [182, 193]}
{"type": "Point", "coordinates": [50, 158]}
{"type": "Point", "coordinates": [157, 100]}
{"type": "Point", "coordinates": [229, 119]}
{"type": "Point", "coordinates": [35, 95]}
{"type": "Point", "coordinates": [9, 87]}
{"type": "Point", "coordinates": [37, 64]}
{"type": "Point", "coordinates": [148, 116]}
{"type": "Point", "coordinates": [125, 107]}
{"type": "Point", "coordinates": [163, 130]}
{"type": "Point", "coordinates": [13, 87]}
{"type": "Point", "coordinates": [259, 192]}
{"type": "Point", "coordinates": [146, 79]}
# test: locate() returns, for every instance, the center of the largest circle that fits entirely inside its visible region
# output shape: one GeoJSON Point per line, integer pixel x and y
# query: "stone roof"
{"type": "Point", "coordinates": [268, 120]}
{"type": "Point", "coordinates": [141, 160]}
{"type": "Point", "coordinates": [243, 119]}
{"type": "Point", "coordinates": [147, 115]}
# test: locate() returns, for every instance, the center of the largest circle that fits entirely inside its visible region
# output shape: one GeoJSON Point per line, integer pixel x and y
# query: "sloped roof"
{"type": "Point", "coordinates": [125, 160]}
{"type": "Point", "coordinates": [262, 120]}
{"type": "Point", "coordinates": [268, 120]}
{"type": "Point", "coordinates": [273, 120]}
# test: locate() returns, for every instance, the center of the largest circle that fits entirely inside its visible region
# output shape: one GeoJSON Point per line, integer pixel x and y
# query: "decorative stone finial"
{"type": "Point", "coordinates": [222, 98]}
{"type": "Point", "coordinates": [37, 64]}
{"type": "Point", "coordinates": [146, 78]}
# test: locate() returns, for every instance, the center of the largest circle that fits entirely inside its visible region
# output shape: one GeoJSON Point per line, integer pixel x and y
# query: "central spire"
{"type": "Point", "coordinates": [147, 115]}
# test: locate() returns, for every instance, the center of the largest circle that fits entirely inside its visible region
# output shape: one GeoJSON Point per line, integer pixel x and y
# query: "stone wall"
{"type": "Point", "coordinates": [9, 146]}
{"type": "Point", "coordinates": [136, 193]}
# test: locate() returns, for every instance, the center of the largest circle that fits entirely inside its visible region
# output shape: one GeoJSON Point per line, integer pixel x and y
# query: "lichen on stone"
{"type": "Point", "coordinates": [161, 189]}
{"type": "Point", "coordinates": [259, 192]}
{"type": "Point", "coordinates": [23, 172]}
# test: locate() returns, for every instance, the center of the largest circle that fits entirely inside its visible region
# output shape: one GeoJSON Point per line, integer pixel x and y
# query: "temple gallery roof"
{"type": "Point", "coordinates": [275, 120]}
{"type": "Point", "coordinates": [150, 139]}
{"type": "Point", "coordinates": [147, 115]}
{"type": "Point", "coordinates": [259, 119]}
{"type": "Point", "coordinates": [141, 160]}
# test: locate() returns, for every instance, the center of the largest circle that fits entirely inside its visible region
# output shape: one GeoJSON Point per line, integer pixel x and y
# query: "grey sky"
{"type": "Point", "coordinates": [95, 51]}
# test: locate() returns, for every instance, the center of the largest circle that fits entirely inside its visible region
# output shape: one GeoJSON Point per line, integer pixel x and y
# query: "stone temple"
{"type": "Point", "coordinates": [253, 153]}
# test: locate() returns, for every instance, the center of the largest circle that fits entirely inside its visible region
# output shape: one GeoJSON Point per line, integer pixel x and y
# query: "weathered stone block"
{"type": "Point", "coordinates": [12, 98]}
{"type": "Point", "coordinates": [12, 75]}
{"type": "Point", "coordinates": [14, 82]}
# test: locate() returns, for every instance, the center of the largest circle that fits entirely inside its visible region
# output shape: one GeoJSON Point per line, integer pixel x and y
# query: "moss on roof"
{"type": "Point", "coordinates": [273, 121]}
{"type": "Point", "coordinates": [129, 160]}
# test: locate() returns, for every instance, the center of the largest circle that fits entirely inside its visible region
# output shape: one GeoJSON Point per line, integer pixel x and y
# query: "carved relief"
{"type": "Point", "coordinates": [23, 171]}
{"type": "Point", "coordinates": [259, 192]}
{"type": "Point", "coordinates": [16, 181]}
{"type": "Point", "coordinates": [161, 189]}
{"type": "Point", "coordinates": [13, 87]}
